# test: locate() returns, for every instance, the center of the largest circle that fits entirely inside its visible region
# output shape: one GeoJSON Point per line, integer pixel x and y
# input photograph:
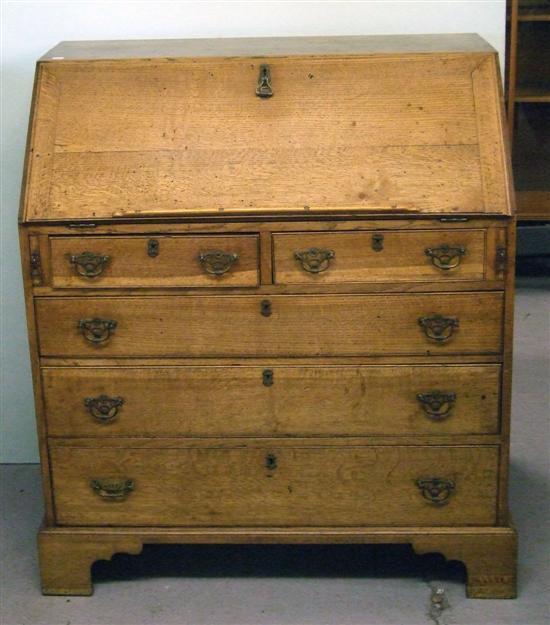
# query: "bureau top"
{"type": "Point", "coordinates": [265, 47]}
{"type": "Point", "coordinates": [398, 125]}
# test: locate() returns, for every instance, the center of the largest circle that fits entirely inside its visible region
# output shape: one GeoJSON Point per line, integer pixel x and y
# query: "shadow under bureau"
{"type": "Point", "coordinates": [269, 290]}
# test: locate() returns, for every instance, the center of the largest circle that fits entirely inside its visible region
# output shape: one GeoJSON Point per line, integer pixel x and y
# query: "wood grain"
{"type": "Point", "coordinates": [177, 262]}
{"type": "Point", "coordinates": [327, 325]}
{"type": "Point", "coordinates": [399, 136]}
{"type": "Point", "coordinates": [489, 553]}
{"type": "Point", "coordinates": [341, 133]}
{"type": "Point", "coordinates": [302, 401]}
{"type": "Point", "coordinates": [171, 49]}
{"type": "Point", "coordinates": [310, 486]}
{"type": "Point", "coordinates": [402, 259]}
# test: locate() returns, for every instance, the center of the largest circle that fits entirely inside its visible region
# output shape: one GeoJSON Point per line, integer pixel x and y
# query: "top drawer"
{"type": "Point", "coordinates": [155, 261]}
{"type": "Point", "coordinates": [379, 256]}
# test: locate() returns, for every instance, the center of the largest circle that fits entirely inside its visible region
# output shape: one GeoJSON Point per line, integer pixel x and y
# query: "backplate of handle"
{"type": "Point", "coordinates": [446, 256]}
{"type": "Point", "coordinates": [437, 405]}
{"type": "Point", "coordinates": [217, 262]}
{"type": "Point", "coordinates": [438, 328]}
{"type": "Point", "coordinates": [96, 330]}
{"type": "Point", "coordinates": [89, 264]}
{"type": "Point", "coordinates": [103, 408]}
{"type": "Point", "coordinates": [436, 490]}
{"type": "Point", "coordinates": [314, 260]}
{"type": "Point", "coordinates": [112, 489]}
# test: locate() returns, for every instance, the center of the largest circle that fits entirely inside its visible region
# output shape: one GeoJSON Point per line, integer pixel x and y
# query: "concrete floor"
{"type": "Point", "coordinates": [271, 585]}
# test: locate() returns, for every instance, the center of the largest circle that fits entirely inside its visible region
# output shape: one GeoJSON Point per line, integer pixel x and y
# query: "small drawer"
{"type": "Point", "coordinates": [272, 400]}
{"type": "Point", "coordinates": [279, 325]}
{"type": "Point", "coordinates": [155, 261]}
{"type": "Point", "coordinates": [279, 485]}
{"type": "Point", "coordinates": [379, 256]}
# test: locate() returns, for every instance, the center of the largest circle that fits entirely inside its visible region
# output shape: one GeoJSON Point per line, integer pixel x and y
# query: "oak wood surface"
{"type": "Point", "coordinates": [396, 136]}
{"type": "Point", "coordinates": [176, 263]}
{"type": "Point", "coordinates": [489, 553]}
{"type": "Point", "coordinates": [136, 138]}
{"type": "Point", "coordinates": [270, 46]}
{"type": "Point", "coordinates": [325, 325]}
{"type": "Point", "coordinates": [402, 259]}
{"type": "Point", "coordinates": [309, 486]}
{"type": "Point", "coordinates": [234, 401]}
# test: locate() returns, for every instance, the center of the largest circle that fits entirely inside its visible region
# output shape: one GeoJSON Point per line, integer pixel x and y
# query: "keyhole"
{"type": "Point", "coordinates": [265, 308]}
{"type": "Point", "coordinates": [271, 462]}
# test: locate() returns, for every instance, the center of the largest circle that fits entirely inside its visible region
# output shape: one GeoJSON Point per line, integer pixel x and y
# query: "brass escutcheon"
{"type": "Point", "coordinates": [445, 256]}
{"type": "Point", "coordinates": [436, 490]}
{"type": "Point", "coordinates": [88, 264]}
{"type": "Point", "coordinates": [437, 404]}
{"type": "Point", "coordinates": [267, 377]}
{"type": "Point", "coordinates": [103, 408]}
{"type": "Point", "coordinates": [153, 247]}
{"type": "Point", "coordinates": [263, 88]}
{"type": "Point", "coordinates": [315, 260]}
{"type": "Point", "coordinates": [265, 308]}
{"type": "Point", "coordinates": [97, 330]}
{"type": "Point", "coordinates": [217, 262]}
{"type": "Point", "coordinates": [112, 489]}
{"type": "Point", "coordinates": [438, 328]}
{"type": "Point", "coordinates": [378, 242]}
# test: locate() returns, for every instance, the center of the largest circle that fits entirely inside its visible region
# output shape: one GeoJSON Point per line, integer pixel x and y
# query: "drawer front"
{"type": "Point", "coordinates": [155, 261]}
{"type": "Point", "coordinates": [327, 325]}
{"type": "Point", "coordinates": [379, 256]}
{"type": "Point", "coordinates": [305, 486]}
{"type": "Point", "coordinates": [272, 401]}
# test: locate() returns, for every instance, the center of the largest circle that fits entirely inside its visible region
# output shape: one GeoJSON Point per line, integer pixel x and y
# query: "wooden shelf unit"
{"type": "Point", "coordinates": [528, 105]}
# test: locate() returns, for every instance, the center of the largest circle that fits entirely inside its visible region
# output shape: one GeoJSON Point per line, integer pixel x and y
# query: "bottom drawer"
{"type": "Point", "coordinates": [282, 485]}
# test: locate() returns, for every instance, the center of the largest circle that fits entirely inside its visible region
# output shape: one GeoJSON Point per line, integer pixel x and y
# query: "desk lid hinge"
{"type": "Point", "coordinates": [36, 267]}
{"type": "Point", "coordinates": [501, 259]}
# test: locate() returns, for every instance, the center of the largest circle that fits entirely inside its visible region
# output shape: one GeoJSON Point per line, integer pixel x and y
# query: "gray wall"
{"type": "Point", "coordinates": [31, 28]}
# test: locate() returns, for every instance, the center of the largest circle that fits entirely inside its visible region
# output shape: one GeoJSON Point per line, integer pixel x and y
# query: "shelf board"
{"type": "Point", "coordinates": [533, 205]}
{"type": "Point", "coordinates": [532, 94]}
{"type": "Point", "coordinates": [534, 15]}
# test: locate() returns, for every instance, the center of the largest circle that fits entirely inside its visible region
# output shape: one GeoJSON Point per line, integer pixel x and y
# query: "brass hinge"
{"type": "Point", "coordinates": [36, 268]}
{"type": "Point", "coordinates": [501, 259]}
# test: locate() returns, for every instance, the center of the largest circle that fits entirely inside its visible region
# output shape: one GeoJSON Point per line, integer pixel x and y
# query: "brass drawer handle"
{"type": "Point", "coordinates": [263, 88]}
{"type": "Point", "coordinates": [315, 260]}
{"type": "Point", "coordinates": [446, 256]}
{"type": "Point", "coordinates": [436, 404]}
{"type": "Point", "coordinates": [103, 408]}
{"type": "Point", "coordinates": [271, 462]}
{"type": "Point", "coordinates": [97, 330]}
{"type": "Point", "coordinates": [216, 262]}
{"type": "Point", "coordinates": [438, 328]}
{"type": "Point", "coordinates": [88, 264]}
{"type": "Point", "coordinates": [436, 490]}
{"type": "Point", "coordinates": [112, 490]}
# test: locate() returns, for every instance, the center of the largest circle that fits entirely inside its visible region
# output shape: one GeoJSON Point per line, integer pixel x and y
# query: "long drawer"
{"type": "Point", "coordinates": [272, 401]}
{"type": "Point", "coordinates": [377, 256]}
{"type": "Point", "coordinates": [326, 325]}
{"type": "Point", "coordinates": [155, 261]}
{"type": "Point", "coordinates": [304, 486]}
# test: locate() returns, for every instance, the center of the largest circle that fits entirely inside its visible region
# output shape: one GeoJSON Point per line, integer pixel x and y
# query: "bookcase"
{"type": "Point", "coordinates": [528, 104]}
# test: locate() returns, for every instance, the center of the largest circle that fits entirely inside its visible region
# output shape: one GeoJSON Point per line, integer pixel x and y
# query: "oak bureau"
{"type": "Point", "coordinates": [269, 288]}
